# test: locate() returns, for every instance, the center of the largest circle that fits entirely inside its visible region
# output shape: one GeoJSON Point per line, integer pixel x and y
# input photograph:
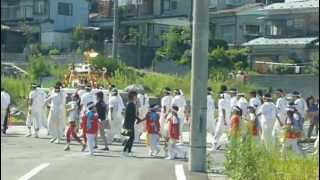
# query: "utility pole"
{"type": "Point", "coordinates": [197, 161]}
{"type": "Point", "coordinates": [115, 30]}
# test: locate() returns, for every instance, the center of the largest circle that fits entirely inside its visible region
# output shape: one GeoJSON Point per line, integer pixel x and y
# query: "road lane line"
{"type": "Point", "coordinates": [34, 171]}
{"type": "Point", "coordinates": [180, 172]}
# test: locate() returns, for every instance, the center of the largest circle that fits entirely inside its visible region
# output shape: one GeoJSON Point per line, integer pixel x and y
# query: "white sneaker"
{"type": "Point", "coordinates": [57, 141]}
{"type": "Point", "coordinates": [28, 135]}
{"type": "Point", "coordinates": [169, 158]}
{"type": "Point", "coordinates": [52, 140]}
{"type": "Point", "coordinates": [150, 153]}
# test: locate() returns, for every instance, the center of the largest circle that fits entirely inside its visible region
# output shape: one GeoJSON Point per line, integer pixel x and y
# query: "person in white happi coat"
{"type": "Point", "coordinates": [87, 97]}
{"type": "Point", "coordinates": [300, 105]}
{"type": "Point", "coordinates": [143, 108]}
{"type": "Point", "coordinates": [5, 102]}
{"type": "Point", "coordinates": [180, 101]}
{"type": "Point", "coordinates": [268, 117]}
{"type": "Point", "coordinates": [36, 116]}
{"type": "Point", "coordinates": [165, 110]}
{"type": "Point", "coordinates": [242, 104]}
{"type": "Point", "coordinates": [56, 122]}
{"type": "Point", "coordinates": [234, 100]}
{"type": "Point", "coordinates": [211, 122]}
{"type": "Point", "coordinates": [223, 124]}
{"type": "Point", "coordinates": [281, 105]}
{"type": "Point", "coordinates": [115, 117]}
{"type": "Point", "coordinates": [254, 100]}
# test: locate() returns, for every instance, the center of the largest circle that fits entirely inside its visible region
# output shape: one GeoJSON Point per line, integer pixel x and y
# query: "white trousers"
{"type": "Point", "coordinates": [266, 133]}
{"type": "Point", "coordinates": [115, 128]}
{"type": "Point", "coordinates": [154, 143]}
{"type": "Point", "coordinates": [36, 119]}
{"type": "Point", "coordinates": [291, 143]}
{"type": "Point", "coordinates": [91, 142]}
{"type": "Point", "coordinates": [173, 149]}
{"type": "Point", "coordinates": [3, 115]}
{"type": "Point", "coordinates": [220, 129]}
{"type": "Point", "coordinates": [211, 123]}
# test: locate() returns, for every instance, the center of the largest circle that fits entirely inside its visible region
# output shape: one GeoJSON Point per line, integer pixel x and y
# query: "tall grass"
{"type": "Point", "coordinates": [247, 160]}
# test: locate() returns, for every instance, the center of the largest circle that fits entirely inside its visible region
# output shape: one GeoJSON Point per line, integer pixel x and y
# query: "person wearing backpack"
{"type": "Point", "coordinates": [153, 131]}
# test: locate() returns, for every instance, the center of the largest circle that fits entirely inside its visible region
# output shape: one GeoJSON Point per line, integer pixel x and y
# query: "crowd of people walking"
{"type": "Point", "coordinates": [90, 112]}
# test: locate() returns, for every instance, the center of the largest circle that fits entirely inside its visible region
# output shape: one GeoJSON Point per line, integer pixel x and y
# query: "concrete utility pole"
{"type": "Point", "coordinates": [200, 41]}
{"type": "Point", "coordinates": [115, 30]}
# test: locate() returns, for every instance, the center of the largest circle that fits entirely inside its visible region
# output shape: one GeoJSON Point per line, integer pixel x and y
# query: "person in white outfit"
{"type": "Point", "coordinates": [254, 101]}
{"type": "Point", "coordinates": [268, 117]}
{"type": "Point", "coordinates": [87, 97]}
{"type": "Point", "coordinates": [223, 124]}
{"type": "Point", "coordinates": [114, 115]}
{"type": "Point", "coordinates": [281, 105]}
{"type": "Point", "coordinates": [56, 121]}
{"type": "Point", "coordinates": [234, 99]}
{"type": "Point", "coordinates": [242, 104]}
{"type": "Point", "coordinates": [37, 100]}
{"type": "Point", "coordinates": [165, 110]}
{"type": "Point", "coordinates": [5, 102]}
{"type": "Point", "coordinates": [300, 105]}
{"type": "Point", "coordinates": [180, 101]}
{"type": "Point", "coordinates": [211, 123]}
{"type": "Point", "coordinates": [143, 107]}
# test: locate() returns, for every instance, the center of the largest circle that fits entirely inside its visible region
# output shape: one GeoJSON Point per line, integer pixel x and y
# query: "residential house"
{"type": "Point", "coordinates": [50, 21]}
{"type": "Point", "coordinates": [151, 17]}
{"type": "Point", "coordinates": [236, 25]}
{"type": "Point", "coordinates": [291, 31]}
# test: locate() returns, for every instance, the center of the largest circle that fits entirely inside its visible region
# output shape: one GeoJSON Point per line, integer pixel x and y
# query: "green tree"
{"type": "Point", "coordinates": [38, 67]}
{"type": "Point", "coordinates": [83, 39]}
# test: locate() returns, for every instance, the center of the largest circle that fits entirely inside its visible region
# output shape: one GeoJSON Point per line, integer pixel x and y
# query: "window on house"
{"type": "Point", "coordinates": [40, 7]}
{"type": "Point", "coordinates": [65, 9]}
{"type": "Point", "coordinates": [252, 29]}
{"type": "Point", "coordinates": [166, 5]}
{"type": "Point", "coordinates": [174, 5]}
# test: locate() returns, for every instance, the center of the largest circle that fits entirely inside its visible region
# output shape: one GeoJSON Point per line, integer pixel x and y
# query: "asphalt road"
{"type": "Point", "coordinates": [25, 157]}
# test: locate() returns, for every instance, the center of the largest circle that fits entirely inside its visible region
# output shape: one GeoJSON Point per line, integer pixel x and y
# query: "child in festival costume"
{"type": "Point", "coordinates": [153, 130]}
{"type": "Point", "coordinates": [173, 133]}
{"type": "Point", "coordinates": [253, 123]}
{"type": "Point", "coordinates": [90, 123]}
{"type": "Point", "coordinates": [292, 131]}
{"type": "Point", "coordinates": [235, 121]}
{"type": "Point", "coordinates": [72, 110]}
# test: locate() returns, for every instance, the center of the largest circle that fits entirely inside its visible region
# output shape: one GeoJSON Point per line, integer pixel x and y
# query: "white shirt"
{"type": "Point", "coordinates": [224, 104]}
{"type": "Point", "coordinates": [282, 104]}
{"type": "Point", "coordinates": [179, 101]}
{"type": "Point", "coordinates": [143, 101]}
{"type": "Point", "coordinates": [5, 100]}
{"type": "Point", "coordinates": [255, 102]}
{"type": "Point", "coordinates": [268, 111]}
{"type": "Point", "coordinates": [86, 98]}
{"type": "Point", "coordinates": [210, 103]}
{"type": "Point", "coordinates": [38, 99]}
{"type": "Point", "coordinates": [166, 102]}
{"type": "Point", "coordinates": [234, 101]}
{"type": "Point", "coordinates": [301, 106]}
{"type": "Point", "coordinates": [115, 104]}
{"type": "Point", "coordinates": [243, 105]}
{"type": "Point", "coordinates": [72, 114]}
{"type": "Point", "coordinates": [57, 100]}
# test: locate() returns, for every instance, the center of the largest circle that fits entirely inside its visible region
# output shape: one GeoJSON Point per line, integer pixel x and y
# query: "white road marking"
{"type": "Point", "coordinates": [180, 172]}
{"type": "Point", "coordinates": [34, 171]}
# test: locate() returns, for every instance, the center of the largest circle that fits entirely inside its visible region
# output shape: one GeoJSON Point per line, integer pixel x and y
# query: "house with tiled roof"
{"type": "Point", "coordinates": [290, 31]}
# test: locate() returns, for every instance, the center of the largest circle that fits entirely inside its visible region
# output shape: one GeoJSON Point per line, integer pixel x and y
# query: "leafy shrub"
{"type": "Point", "coordinates": [285, 69]}
{"type": "Point", "coordinates": [111, 64]}
{"type": "Point", "coordinates": [247, 160]}
{"type": "Point", "coordinates": [38, 67]}
{"type": "Point", "coordinates": [18, 88]}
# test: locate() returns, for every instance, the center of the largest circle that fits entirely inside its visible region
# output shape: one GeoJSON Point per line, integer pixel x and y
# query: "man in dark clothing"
{"type": "Point", "coordinates": [129, 121]}
{"type": "Point", "coordinates": [101, 108]}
